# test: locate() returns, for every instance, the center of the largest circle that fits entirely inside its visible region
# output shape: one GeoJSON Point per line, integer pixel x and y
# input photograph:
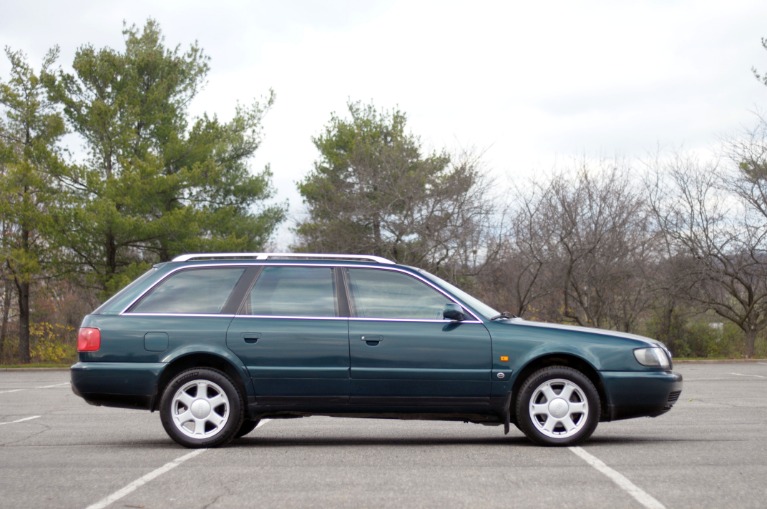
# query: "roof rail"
{"type": "Point", "coordinates": [296, 256]}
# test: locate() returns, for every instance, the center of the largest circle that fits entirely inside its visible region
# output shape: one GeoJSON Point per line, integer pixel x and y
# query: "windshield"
{"type": "Point", "coordinates": [477, 305]}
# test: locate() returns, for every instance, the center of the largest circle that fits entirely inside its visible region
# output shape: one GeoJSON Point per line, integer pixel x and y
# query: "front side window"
{"type": "Point", "coordinates": [191, 291]}
{"type": "Point", "coordinates": [388, 294]}
{"type": "Point", "coordinates": [293, 291]}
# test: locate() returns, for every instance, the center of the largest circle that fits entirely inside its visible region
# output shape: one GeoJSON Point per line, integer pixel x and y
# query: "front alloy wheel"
{"type": "Point", "coordinates": [201, 408]}
{"type": "Point", "coordinates": [558, 405]}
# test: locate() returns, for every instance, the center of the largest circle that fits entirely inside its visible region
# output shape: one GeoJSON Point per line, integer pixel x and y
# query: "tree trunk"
{"type": "Point", "coordinates": [24, 347]}
{"type": "Point", "coordinates": [750, 343]}
{"type": "Point", "coordinates": [7, 294]}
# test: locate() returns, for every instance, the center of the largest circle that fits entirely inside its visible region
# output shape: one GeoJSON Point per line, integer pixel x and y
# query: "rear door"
{"type": "Point", "coordinates": [290, 335]}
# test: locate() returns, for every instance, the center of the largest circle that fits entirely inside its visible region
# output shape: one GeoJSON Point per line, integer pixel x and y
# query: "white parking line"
{"type": "Point", "coordinates": [117, 495]}
{"type": "Point", "coordinates": [623, 483]}
{"type": "Point", "coordinates": [52, 386]}
{"type": "Point", "coordinates": [755, 376]}
{"type": "Point", "coordinates": [20, 420]}
{"type": "Point", "coordinates": [65, 384]}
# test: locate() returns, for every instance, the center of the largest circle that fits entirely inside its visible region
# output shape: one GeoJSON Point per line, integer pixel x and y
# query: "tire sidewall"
{"type": "Point", "coordinates": [524, 421]}
{"type": "Point", "coordinates": [234, 419]}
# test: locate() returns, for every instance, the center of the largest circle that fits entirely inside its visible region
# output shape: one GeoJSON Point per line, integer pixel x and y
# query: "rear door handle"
{"type": "Point", "coordinates": [371, 340]}
{"type": "Point", "coordinates": [251, 337]}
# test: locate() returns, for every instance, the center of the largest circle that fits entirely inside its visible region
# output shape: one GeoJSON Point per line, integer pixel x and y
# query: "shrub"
{"type": "Point", "coordinates": [52, 343]}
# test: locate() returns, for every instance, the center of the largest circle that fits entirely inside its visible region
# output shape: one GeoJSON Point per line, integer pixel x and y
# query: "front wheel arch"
{"type": "Point", "coordinates": [571, 361]}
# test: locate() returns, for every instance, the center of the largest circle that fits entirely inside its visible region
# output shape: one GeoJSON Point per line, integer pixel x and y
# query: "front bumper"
{"type": "Point", "coordinates": [640, 394]}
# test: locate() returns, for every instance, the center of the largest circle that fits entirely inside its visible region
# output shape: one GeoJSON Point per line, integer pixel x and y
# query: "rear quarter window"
{"type": "Point", "coordinates": [191, 291]}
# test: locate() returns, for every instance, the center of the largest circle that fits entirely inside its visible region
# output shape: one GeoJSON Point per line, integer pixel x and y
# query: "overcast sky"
{"type": "Point", "coordinates": [529, 84]}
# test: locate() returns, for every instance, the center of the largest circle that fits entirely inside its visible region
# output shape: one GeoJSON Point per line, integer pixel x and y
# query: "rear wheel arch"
{"type": "Point", "coordinates": [202, 360]}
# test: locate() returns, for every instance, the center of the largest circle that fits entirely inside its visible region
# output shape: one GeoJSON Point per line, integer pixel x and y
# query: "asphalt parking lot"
{"type": "Point", "coordinates": [709, 451]}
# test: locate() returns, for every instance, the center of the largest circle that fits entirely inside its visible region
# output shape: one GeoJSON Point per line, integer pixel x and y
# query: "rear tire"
{"type": "Point", "coordinates": [558, 406]}
{"type": "Point", "coordinates": [248, 425]}
{"type": "Point", "coordinates": [201, 407]}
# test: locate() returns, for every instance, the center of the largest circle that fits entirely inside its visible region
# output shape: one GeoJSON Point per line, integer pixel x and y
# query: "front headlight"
{"type": "Point", "coordinates": [654, 357]}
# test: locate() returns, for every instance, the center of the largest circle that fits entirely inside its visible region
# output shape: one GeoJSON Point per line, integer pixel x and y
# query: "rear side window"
{"type": "Point", "coordinates": [293, 291]}
{"type": "Point", "coordinates": [191, 291]}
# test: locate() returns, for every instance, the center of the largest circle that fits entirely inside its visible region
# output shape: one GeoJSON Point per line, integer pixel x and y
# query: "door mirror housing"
{"type": "Point", "coordinates": [453, 312]}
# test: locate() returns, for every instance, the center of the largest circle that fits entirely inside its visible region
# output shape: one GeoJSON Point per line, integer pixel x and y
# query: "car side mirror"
{"type": "Point", "coordinates": [453, 312]}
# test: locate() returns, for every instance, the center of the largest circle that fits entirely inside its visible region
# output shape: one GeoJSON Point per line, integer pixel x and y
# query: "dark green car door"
{"type": "Point", "coordinates": [404, 352]}
{"type": "Point", "coordinates": [290, 337]}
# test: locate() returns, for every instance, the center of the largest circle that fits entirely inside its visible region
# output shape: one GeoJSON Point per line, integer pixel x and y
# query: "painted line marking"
{"type": "Point", "coordinates": [754, 376]}
{"type": "Point", "coordinates": [21, 420]}
{"type": "Point", "coordinates": [32, 388]}
{"type": "Point", "coordinates": [623, 483]}
{"type": "Point", "coordinates": [52, 386]}
{"type": "Point", "coordinates": [117, 495]}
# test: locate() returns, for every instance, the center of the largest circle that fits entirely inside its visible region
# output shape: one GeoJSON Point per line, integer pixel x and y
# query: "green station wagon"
{"type": "Point", "coordinates": [217, 342]}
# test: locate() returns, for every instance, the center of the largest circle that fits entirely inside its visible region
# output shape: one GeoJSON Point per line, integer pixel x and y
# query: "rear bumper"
{"type": "Point", "coordinates": [640, 394]}
{"type": "Point", "coordinates": [124, 385]}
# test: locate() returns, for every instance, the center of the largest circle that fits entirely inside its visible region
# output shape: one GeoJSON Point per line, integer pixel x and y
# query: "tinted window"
{"type": "Point", "coordinates": [388, 294]}
{"type": "Point", "coordinates": [191, 291]}
{"type": "Point", "coordinates": [293, 291]}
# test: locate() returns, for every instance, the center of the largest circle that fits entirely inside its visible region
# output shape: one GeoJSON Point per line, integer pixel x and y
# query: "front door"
{"type": "Point", "coordinates": [403, 352]}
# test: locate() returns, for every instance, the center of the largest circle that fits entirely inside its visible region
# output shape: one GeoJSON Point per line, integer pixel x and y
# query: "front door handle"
{"type": "Point", "coordinates": [371, 340]}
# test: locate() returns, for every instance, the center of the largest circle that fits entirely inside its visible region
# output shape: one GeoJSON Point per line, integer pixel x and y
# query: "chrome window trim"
{"type": "Point", "coordinates": [193, 315]}
{"type": "Point", "coordinates": [169, 274]}
{"type": "Point", "coordinates": [423, 280]}
{"type": "Point", "coordinates": [410, 320]}
{"type": "Point", "coordinates": [289, 317]}
{"type": "Point", "coordinates": [259, 263]}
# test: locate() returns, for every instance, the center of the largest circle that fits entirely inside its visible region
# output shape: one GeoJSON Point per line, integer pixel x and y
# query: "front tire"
{"type": "Point", "coordinates": [201, 407]}
{"type": "Point", "coordinates": [558, 406]}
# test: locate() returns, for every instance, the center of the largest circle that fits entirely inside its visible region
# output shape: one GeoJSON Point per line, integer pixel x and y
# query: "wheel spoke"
{"type": "Point", "coordinates": [550, 424]}
{"type": "Point", "coordinates": [185, 399]}
{"type": "Point", "coordinates": [216, 419]}
{"type": "Point", "coordinates": [184, 417]}
{"type": "Point", "coordinates": [218, 399]}
{"type": "Point", "coordinates": [199, 426]}
{"type": "Point", "coordinates": [567, 392]}
{"type": "Point", "coordinates": [578, 408]}
{"type": "Point", "coordinates": [548, 392]}
{"type": "Point", "coordinates": [569, 425]}
{"type": "Point", "coordinates": [539, 409]}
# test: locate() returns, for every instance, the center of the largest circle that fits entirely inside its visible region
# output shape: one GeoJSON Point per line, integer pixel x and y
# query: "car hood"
{"type": "Point", "coordinates": [586, 330]}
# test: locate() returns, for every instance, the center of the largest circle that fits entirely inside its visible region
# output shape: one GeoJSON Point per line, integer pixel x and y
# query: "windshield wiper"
{"type": "Point", "coordinates": [503, 316]}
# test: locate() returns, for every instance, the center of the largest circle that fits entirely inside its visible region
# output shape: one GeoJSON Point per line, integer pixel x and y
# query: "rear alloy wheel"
{"type": "Point", "coordinates": [558, 405]}
{"type": "Point", "coordinates": [201, 407]}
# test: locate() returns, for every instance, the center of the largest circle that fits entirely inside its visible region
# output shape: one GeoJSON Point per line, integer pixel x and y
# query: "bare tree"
{"type": "Point", "coordinates": [721, 236]}
{"type": "Point", "coordinates": [585, 238]}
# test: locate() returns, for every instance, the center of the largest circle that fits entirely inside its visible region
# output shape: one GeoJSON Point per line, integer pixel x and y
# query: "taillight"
{"type": "Point", "coordinates": [88, 339]}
